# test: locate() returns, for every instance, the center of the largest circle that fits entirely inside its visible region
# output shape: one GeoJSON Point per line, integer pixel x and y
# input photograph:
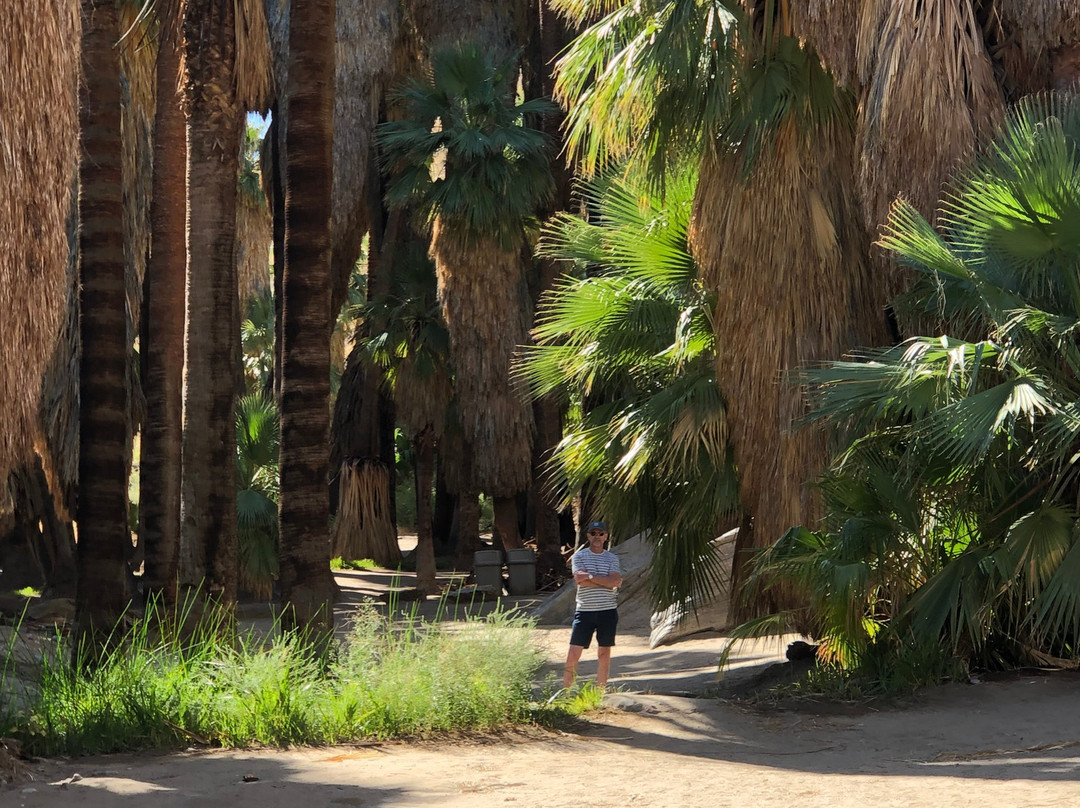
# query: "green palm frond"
{"type": "Point", "coordinates": [258, 438]}
{"type": "Point", "coordinates": [648, 81]}
{"type": "Point", "coordinates": [626, 334]}
{"type": "Point", "coordinates": [465, 150]}
{"type": "Point", "coordinates": [977, 439]}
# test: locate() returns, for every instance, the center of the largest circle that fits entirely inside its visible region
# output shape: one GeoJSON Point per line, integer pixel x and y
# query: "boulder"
{"type": "Point", "coordinates": [707, 612]}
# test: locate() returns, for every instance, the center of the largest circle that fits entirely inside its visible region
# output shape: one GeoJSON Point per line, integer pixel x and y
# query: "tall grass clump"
{"type": "Point", "coordinates": [175, 680]}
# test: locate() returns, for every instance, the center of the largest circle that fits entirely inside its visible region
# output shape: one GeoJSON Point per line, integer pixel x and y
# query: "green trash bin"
{"type": "Point", "coordinates": [488, 567]}
{"type": "Point", "coordinates": [521, 564]}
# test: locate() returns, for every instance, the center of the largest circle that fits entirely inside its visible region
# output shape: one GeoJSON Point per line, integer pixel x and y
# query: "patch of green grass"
{"type": "Point", "coordinates": [167, 689]}
{"type": "Point", "coordinates": [358, 564]}
{"type": "Point", "coordinates": [580, 700]}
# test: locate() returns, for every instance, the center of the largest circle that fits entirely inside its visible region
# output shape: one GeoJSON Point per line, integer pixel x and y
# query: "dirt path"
{"type": "Point", "coordinates": [1012, 743]}
{"type": "Point", "coordinates": [962, 745]}
{"type": "Point", "coordinates": [1007, 743]}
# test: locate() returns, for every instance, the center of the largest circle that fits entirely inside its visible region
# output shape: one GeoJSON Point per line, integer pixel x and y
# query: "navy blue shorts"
{"type": "Point", "coordinates": [603, 623]}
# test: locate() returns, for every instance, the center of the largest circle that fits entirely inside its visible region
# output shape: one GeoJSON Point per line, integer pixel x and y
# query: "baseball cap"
{"type": "Point", "coordinates": [597, 526]}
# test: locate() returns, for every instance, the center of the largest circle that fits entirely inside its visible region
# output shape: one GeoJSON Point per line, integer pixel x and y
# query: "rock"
{"type": "Point", "coordinates": [702, 613]}
{"type": "Point", "coordinates": [53, 609]}
{"type": "Point", "coordinates": [801, 650]}
{"type": "Point", "coordinates": [620, 701]}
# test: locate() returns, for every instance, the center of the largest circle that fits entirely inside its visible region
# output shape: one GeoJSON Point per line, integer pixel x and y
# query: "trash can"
{"type": "Point", "coordinates": [488, 567]}
{"type": "Point", "coordinates": [521, 565]}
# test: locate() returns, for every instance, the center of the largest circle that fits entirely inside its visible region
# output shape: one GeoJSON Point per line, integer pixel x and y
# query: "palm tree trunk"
{"type": "Point", "coordinates": [306, 585]}
{"type": "Point", "coordinates": [506, 522]}
{"type": "Point", "coordinates": [547, 411]}
{"type": "Point", "coordinates": [796, 216]}
{"type": "Point", "coordinates": [50, 538]}
{"type": "Point", "coordinates": [485, 304]}
{"type": "Point", "coordinates": [468, 528]}
{"type": "Point", "coordinates": [358, 440]}
{"type": "Point", "coordinates": [163, 351]}
{"type": "Point", "coordinates": [424, 449]}
{"type": "Point", "coordinates": [442, 519]}
{"type": "Point", "coordinates": [208, 504]}
{"type": "Point", "coordinates": [102, 508]}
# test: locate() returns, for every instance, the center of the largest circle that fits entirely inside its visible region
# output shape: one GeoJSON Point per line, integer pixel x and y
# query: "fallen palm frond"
{"type": "Point", "coordinates": [363, 527]}
{"type": "Point", "coordinates": [37, 165]}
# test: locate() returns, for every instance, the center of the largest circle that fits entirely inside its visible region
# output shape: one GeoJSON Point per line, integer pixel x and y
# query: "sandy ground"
{"type": "Point", "coordinates": [1011, 742]}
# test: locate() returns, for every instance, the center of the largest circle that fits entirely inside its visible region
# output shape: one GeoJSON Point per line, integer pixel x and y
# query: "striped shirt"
{"type": "Point", "coordinates": [595, 598]}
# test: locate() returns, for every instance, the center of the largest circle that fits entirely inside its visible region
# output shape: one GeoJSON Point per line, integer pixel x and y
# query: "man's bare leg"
{"type": "Point", "coordinates": [603, 665]}
{"type": "Point", "coordinates": [570, 669]}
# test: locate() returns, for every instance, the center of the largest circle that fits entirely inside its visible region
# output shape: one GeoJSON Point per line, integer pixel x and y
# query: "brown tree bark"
{"type": "Point", "coordinates": [424, 450]}
{"type": "Point", "coordinates": [306, 584]}
{"type": "Point", "coordinates": [102, 501]}
{"type": "Point", "coordinates": [358, 435]}
{"type": "Point", "coordinates": [506, 523]}
{"type": "Point", "coordinates": [50, 541]}
{"type": "Point", "coordinates": [552, 37]}
{"type": "Point", "coordinates": [468, 528]}
{"type": "Point", "coordinates": [163, 351]}
{"type": "Point", "coordinates": [208, 499]}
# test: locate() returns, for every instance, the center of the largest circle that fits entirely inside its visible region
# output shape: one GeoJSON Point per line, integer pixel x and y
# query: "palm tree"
{"type": "Point", "coordinates": [953, 517]}
{"type": "Point", "coordinates": [208, 509]}
{"type": "Point", "coordinates": [306, 586]}
{"type": "Point", "coordinates": [227, 72]}
{"type": "Point", "coordinates": [102, 504]}
{"type": "Point", "coordinates": [257, 338]}
{"type": "Point", "coordinates": [41, 131]}
{"type": "Point", "coordinates": [629, 336]}
{"type": "Point", "coordinates": [492, 174]}
{"type": "Point", "coordinates": [254, 229]}
{"type": "Point", "coordinates": [163, 351]}
{"type": "Point", "coordinates": [413, 346]}
{"type": "Point", "coordinates": [774, 219]}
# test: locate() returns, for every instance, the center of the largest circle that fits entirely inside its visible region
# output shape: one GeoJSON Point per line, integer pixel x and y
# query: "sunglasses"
{"type": "Point", "coordinates": [597, 532]}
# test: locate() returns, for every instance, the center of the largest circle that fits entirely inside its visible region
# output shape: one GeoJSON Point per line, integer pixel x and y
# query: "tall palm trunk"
{"type": "Point", "coordinates": [163, 353]}
{"type": "Point", "coordinates": [424, 450]}
{"type": "Point", "coordinates": [208, 503]}
{"type": "Point", "coordinates": [547, 410]}
{"type": "Point", "coordinates": [102, 509]}
{"type": "Point", "coordinates": [364, 526]}
{"type": "Point", "coordinates": [306, 585]}
{"type": "Point", "coordinates": [485, 305]}
{"type": "Point", "coordinates": [483, 291]}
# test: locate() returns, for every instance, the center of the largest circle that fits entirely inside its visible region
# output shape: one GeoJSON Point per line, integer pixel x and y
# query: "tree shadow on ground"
{"type": "Point", "coordinates": [1027, 728]}
{"type": "Point", "coordinates": [209, 779]}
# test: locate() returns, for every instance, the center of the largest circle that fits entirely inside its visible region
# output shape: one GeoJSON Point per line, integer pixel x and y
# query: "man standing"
{"type": "Point", "coordinates": [597, 574]}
